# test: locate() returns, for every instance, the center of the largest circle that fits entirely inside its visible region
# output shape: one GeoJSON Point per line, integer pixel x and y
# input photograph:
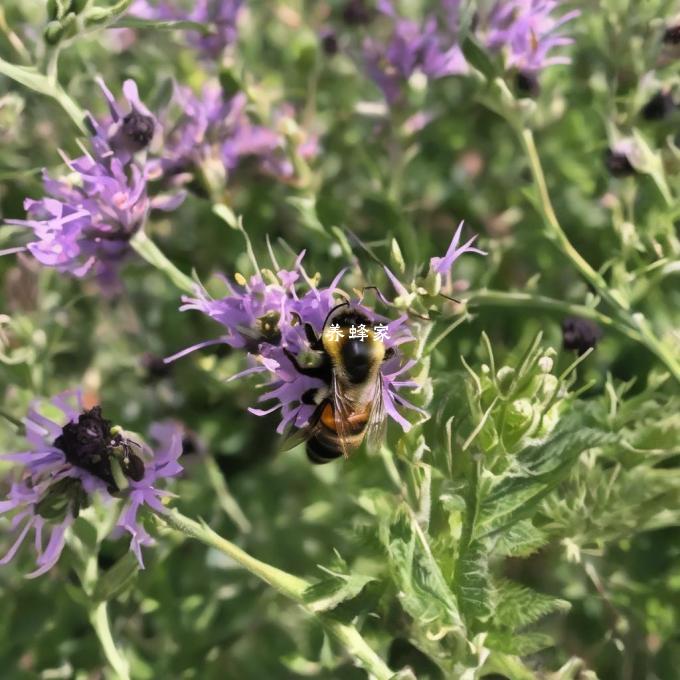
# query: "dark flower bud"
{"type": "Point", "coordinates": [658, 107]}
{"type": "Point", "coordinates": [672, 35]}
{"type": "Point", "coordinates": [527, 84]}
{"type": "Point", "coordinates": [580, 334]}
{"type": "Point", "coordinates": [357, 13]}
{"type": "Point", "coordinates": [618, 164]}
{"type": "Point", "coordinates": [138, 129]}
{"type": "Point", "coordinates": [154, 367]}
{"type": "Point", "coordinates": [329, 43]}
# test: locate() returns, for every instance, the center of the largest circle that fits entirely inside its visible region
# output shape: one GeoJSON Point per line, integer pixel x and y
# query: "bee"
{"type": "Point", "coordinates": [349, 406]}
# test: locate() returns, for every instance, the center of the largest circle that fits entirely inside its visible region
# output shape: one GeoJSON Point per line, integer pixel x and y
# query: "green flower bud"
{"type": "Point", "coordinates": [433, 283]}
{"type": "Point", "coordinates": [396, 257]}
{"type": "Point", "coordinates": [53, 33]}
{"type": "Point", "coordinates": [504, 379]}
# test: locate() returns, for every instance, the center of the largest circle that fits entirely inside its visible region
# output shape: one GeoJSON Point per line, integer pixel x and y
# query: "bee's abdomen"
{"type": "Point", "coordinates": [323, 449]}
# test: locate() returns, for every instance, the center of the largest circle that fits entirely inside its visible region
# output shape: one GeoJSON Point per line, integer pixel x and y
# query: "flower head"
{"type": "Point", "coordinates": [75, 458]}
{"type": "Point", "coordinates": [526, 32]}
{"type": "Point", "coordinates": [87, 219]}
{"type": "Point", "coordinates": [219, 15]}
{"type": "Point", "coordinates": [272, 321]}
{"type": "Point", "coordinates": [442, 265]}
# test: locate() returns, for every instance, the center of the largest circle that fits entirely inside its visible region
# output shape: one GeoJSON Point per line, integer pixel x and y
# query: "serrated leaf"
{"type": "Point", "coordinates": [520, 540]}
{"type": "Point", "coordinates": [472, 582]}
{"type": "Point", "coordinates": [518, 606]}
{"type": "Point", "coordinates": [330, 592]}
{"type": "Point", "coordinates": [543, 466]}
{"type": "Point", "coordinates": [423, 591]}
{"type": "Point", "coordinates": [518, 644]}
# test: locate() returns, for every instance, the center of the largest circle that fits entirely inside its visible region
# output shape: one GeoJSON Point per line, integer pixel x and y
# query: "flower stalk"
{"type": "Point", "coordinates": [288, 585]}
{"type": "Point", "coordinates": [99, 619]}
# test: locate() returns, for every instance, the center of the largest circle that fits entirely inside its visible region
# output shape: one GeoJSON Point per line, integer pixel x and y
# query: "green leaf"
{"type": "Point", "coordinates": [423, 591]}
{"type": "Point", "coordinates": [518, 606]}
{"type": "Point", "coordinates": [478, 57]}
{"type": "Point", "coordinates": [518, 644]}
{"type": "Point", "coordinates": [472, 582]}
{"type": "Point", "coordinates": [173, 25]}
{"type": "Point", "coordinates": [541, 467]}
{"type": "Point", "coordinates": [113, 581]}
{"type": "Point", "coordinates": [520, 540]}
{"type": "Point", "coordinates": [30, 77]}
{"type": "Point", "coordinates": [330, 592]}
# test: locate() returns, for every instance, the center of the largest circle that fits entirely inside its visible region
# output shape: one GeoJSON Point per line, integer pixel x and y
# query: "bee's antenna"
{"type": "Point", "coordinates": [328, 316]}
{"type": "Point", "coordinates": [381, 297]}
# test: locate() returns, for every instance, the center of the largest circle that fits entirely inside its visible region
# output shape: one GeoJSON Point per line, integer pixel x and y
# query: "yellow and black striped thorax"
{"type": "Point", "coordinates": [353, 346]}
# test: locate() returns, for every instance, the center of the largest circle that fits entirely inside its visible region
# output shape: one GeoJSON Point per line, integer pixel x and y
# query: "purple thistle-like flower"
{"type": "Point", "coordinates": [212, 136]}
{"type": "Point", "coordinates": [268, 320]}
{"type": "Point", "coordinates": [73, 460]}
{"type": "Point", "coordinates": [412, 47]}
{"type": "Point", "coordinates": [220, 15]}
{"type": "Point", "coordinates": [525, 30]}
{"type": "Point", "coordinates": [88, 218]}
{"type": "Point", "coordinates": [442, 265]}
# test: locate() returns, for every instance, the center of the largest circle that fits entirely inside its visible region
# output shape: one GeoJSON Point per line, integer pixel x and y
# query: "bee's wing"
{"type": "Point", "coordinates": [295, 436]}
{"type": "Point", "coordinates": [377, 422]}
{"type": "Point", "coordinates": [342, 410]}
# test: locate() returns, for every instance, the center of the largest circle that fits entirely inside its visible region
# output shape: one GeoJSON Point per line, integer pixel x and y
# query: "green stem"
{"type": "Point", "coordinates": [100, 622]}
{"type": "Point", "coordinates": [31, 78]}
{"type": "Point", "coordinates": [154, 256]}
{"type": "Point", "coordinates": [497, 298]}
{"type": "Point", "coordinates": [288, 585]}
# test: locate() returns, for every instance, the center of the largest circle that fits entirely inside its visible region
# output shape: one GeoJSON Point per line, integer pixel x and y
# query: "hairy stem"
{"type": "Point", "coordinates": [100, 622]}
{"type": "Point", "coordinates": [288, 585]}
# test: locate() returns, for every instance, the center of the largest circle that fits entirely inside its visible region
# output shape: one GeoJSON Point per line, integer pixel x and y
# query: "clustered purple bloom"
{"type": "Point", "coordinates": [219, 15]}
{"type": "Point", "coordinates": [211, 135]}
{"type": "Point", "coordinates": [70, 462]}
{"type": "Point", "coordinates": [266, 318]}
{"type": "Point", "coordinates": [87, 219]}
{"type": "Point", "coordinates": [523, 31]}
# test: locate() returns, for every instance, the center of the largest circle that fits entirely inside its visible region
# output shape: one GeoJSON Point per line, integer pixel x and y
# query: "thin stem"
{"type": "Point", "coordinates": [555, 229]}
{"type": "Point", "coordinates": [155, 256]}
{"type": "Point", "coordinates": [288, 585]}
{"type": "Point", "coordinates": [100, 622]}
{"type": "Point", "coordinates": [497, 298]}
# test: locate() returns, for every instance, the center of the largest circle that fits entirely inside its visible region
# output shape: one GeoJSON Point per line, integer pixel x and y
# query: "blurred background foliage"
{"type": "Point", "coordinates": [589, 519]}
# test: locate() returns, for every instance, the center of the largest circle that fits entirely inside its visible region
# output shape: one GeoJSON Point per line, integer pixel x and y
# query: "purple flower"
{"type": "Point", "coordinates": [220, 15]}
{"type": "Point", "coordinates": [525, 31]}
{"type": "Point", "coordinates": [72, 460]}
{"type": "Point", "coordinates": [88, 218]}
{"type": "Point", "coordinates": [442, 265]}
{"type": "Point", "coordinates": [412, 47]}
{"type": "Point", "coordinates": [269, 319]}
{"type": "Point", "coordinates": [129, 129]}
{"type": "Point", "coordinates": [213, 135]}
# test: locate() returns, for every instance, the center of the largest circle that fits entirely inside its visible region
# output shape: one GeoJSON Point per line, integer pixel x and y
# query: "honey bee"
{"type": "Point", "coordinates": [349, 407]}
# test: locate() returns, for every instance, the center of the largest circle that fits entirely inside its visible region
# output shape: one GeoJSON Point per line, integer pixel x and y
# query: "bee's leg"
{"type": "Point", "coordinates": [389, 353]}
{"type": "Point", "coordinates": [320, 372]}
{"type": "Point", "coordinates": [312, 338]}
